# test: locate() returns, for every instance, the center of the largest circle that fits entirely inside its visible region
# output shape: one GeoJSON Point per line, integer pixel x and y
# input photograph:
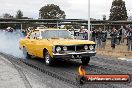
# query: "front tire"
{"type": "Point", "coordinates": [48, 59]}
{"type": "Point", "coordinates": [85, 60]}
{"type": "Point", "coordinates": [25, 53]}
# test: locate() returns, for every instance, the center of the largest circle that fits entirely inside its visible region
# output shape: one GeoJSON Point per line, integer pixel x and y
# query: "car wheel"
{"type": "Point", "coordinates": [85, 60]}
{"type": "Point", "coordinates": [25, 53]}
{"type": "Point", "coordinates": [48, 59]}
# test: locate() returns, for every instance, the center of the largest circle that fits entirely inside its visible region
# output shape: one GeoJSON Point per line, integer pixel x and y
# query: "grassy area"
{"type": "Point", "coordinates": [119, 52]}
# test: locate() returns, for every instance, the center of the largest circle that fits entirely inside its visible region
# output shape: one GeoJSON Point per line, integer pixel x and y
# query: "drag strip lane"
{"type": "Point", "coordinates": [67, 71]}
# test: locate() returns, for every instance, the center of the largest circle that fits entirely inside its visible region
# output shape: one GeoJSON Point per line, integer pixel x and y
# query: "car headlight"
{"type": "Point", "coordinates": [91, 47]}
{"type": "Point", "coordinates": [86, 47]}
{"type": "Point", "coordinates": [58, 49]}
{"type": "Point", "coordinates": [65, 48]}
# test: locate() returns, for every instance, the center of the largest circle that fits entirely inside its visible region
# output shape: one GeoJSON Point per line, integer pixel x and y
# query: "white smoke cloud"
{"type": "Point", "coordinates": [9, 43]}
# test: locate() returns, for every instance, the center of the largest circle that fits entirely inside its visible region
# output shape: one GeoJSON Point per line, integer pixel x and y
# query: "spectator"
{"type": "Point", "coordinates": [123, 34]}
{"type": "Point", "coordinates": [117, 37]}
{"type": "Point", "coordinates": [24, 32]}
{"type": "Point", "coordinates": [127, 30]}
{"type": "Point", "coordinates": [113, 35]}
{"type": "Point", "coordinates": [129, 37]}
{"type": "Point", "coordinates": [104, 37]}
{"type": "Point", "coordinates": [81, 30]}
{"type": "Point", "coordinates": [85, 35]}
{"type": "Point", "coordinates": [94, 35]}
{"type": "Point", "coordinates": [99, 37]}
{"type": "Point", "coordinates": [120, 34]}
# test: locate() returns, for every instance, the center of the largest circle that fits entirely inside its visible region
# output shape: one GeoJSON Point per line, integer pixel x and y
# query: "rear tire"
{"type": "Point", "coordinates": [25, 53]}
{"type": "Point", "coordinates": [85, 60]}
{"type": "Point", "coordinates": [48, 59]}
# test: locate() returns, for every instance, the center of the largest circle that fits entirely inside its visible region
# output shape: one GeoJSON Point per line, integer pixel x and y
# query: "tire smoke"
{"type": "Point", "coordinates": [9, 43]}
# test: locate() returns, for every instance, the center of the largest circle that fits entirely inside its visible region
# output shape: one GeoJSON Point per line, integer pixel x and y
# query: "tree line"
{"type": "Point", "coordinates": [118, 11]}
{"type": "Point", "coordinates": [50, 11]}
{"type": "Point", "coordinates": [19, 15]}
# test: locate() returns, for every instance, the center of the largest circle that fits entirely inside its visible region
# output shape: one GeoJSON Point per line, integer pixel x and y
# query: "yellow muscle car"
{"type": "Point", "coordinates": [52, 44]}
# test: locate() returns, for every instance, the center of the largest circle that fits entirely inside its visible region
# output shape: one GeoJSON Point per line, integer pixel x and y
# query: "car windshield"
{"type": "Point", "coordinates": [56, 34]}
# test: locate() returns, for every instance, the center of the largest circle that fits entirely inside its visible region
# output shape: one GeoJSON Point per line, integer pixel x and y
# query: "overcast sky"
{"type": "Point", "coordinates": [77, 9]}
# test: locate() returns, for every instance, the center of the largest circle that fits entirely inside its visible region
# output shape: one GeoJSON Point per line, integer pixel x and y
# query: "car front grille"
{"type": "Point", "coordinates": [75, 48]}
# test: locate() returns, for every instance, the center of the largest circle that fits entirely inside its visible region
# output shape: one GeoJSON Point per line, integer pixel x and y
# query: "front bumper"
{"type": "Point", "coordinates": [74, 55]}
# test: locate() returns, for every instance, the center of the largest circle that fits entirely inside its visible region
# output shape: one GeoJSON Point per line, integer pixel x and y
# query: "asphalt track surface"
{"type": "Point", "coordinates": [65, 72]}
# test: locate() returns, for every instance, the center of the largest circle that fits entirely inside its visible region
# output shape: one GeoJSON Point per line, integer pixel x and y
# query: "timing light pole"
{"type": "Point", "coordinates": [88, 19]}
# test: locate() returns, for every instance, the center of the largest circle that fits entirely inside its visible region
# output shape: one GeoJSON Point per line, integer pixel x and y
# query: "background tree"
{"type": "Point", "coordinates": [19, 14]}
{"type": "Point", "coordinates": [118, 10]}
{"type": "Point", "coordinates": [7, 15]}
{"type": "Point", "coordinates": [51, 11]}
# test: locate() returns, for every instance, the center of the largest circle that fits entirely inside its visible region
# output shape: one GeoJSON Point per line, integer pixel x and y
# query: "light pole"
{"type": "Point", "coordinates": [130, 15]}
{"type": "Point", "coordinates": [88, 19]}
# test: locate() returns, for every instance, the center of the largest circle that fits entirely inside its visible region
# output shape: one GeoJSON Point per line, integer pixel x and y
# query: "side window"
{"type": "Point", "coordinates": [37, 34]}
{"type": "Point", "coordinates": [32, 36]}
{"type": "Point", "coordinates": [43, 35]}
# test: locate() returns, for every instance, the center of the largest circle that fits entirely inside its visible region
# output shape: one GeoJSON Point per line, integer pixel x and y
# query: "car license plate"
{"type": "Point", "coordinates": [76, 56]}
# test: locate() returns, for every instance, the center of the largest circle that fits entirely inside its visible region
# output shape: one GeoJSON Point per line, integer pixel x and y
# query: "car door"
{"type": "Point", "coordinates": [31, 44]}
{"type": "Point", "coordinates": [40, 45]}
{"type": "Point", "coordinates": [36, 44]}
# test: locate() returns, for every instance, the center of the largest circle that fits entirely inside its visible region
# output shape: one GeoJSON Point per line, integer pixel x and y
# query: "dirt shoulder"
{"type": "Point", "coordinates": [119, 52]}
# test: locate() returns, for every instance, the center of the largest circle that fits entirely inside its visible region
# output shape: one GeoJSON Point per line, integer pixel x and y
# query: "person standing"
{"type": "Point", "coordinates": [94, 35]}
{"type": "Point", "coordinates": [24, 32]}
{"type": "Point", "coordinates": [127, 30]}
{"type": "Point", "coordinates": [113, 35]}
{"type": "Point", "coordinates": [99, 37]}
{"type": "Point", "coordinates": [82, 33]}
{"type": "Point", "coordinates": [104, 37]}
{"type": "Point", "coordinates": [129, 37]}
{"type": "Point", "coordinates": [123, 34]}
{"type": "Point", "coordinates": [120, 35]}
{"type": "Point", "coordinates": [85, 34]}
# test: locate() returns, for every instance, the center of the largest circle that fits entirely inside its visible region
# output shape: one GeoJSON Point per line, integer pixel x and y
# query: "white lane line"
{"type": "Point", "coordinates": [126, 59]}
{"type": "Point", "coordinates": [129, 59]}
